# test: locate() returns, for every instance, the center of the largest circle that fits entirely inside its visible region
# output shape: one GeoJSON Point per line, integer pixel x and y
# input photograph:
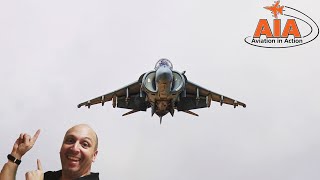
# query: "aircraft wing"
{"type": "Point", "coordinates": [199, 97]}
{"type": "Point", "coordinates": [127, 97]}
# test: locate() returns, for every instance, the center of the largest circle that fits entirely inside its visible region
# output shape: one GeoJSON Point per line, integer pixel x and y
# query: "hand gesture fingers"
{"type": "Point", "coordinates": [35, 136]}
{"type": "Point", "coordinates": [35, 174]}
{"type": "Point", "coordinates": [26, 139]}
{"type": "Point", "coordinates": [21, 135]}
{"type": "Point", "coordinates": [24, 143]}
{"type": "Point", "coordinates": [39, 165]}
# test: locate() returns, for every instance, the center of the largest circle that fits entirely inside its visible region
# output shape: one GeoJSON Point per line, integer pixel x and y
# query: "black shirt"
{"type": "Point", "coordinates": [55, 175]}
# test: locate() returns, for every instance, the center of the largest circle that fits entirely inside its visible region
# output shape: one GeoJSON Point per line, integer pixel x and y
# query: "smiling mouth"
{"type": "Point", "coordinates": [72, 158]}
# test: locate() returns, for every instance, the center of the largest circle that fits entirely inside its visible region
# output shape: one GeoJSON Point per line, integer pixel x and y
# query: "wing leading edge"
{"type": "Point", "coordinates": [126, 93]}
{"type": "Point", "coordinates": [199, 97]}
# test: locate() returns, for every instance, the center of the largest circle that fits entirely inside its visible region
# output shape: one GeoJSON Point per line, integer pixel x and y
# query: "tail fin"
{"type": "Point", "coordinates": [153, 110]}
{"type": "Point", "coordinates": [171, 110]}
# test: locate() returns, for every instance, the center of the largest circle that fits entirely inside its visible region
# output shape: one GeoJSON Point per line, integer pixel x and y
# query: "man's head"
{"type": "Point", "coordinates": [78, 151]}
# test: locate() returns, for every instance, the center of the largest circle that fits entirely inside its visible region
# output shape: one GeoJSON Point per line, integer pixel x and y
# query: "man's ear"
{"type": "Point", "coordinates": [95, 155]}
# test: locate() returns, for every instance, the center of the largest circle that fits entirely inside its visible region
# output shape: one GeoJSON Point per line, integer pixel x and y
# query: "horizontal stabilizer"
{"type": "Point", "coordinates": [190, 112]}
{"type": "Point", "coordinates": [130, 112]}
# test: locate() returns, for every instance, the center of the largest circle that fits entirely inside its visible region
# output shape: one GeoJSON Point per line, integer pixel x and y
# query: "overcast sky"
{"type": "Point", "coordinates": [56, 54]}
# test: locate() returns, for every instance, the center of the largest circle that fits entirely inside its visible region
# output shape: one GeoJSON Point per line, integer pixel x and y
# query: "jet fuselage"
{"type": "Point", "coordinates": [162, 88]}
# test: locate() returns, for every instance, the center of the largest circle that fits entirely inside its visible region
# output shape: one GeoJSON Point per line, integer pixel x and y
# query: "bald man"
{"type": "Point", "coordinates": [78, 151]}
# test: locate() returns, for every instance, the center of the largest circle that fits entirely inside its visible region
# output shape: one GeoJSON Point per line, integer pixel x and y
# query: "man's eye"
{"type": "Point", "coordinates": [85, 144]}
{"type": "Point", "coordinates": [69, 141]}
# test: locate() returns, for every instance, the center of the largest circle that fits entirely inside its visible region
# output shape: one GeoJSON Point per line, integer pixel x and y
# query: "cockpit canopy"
{"type": "Point", "coordinates": [163, 62]}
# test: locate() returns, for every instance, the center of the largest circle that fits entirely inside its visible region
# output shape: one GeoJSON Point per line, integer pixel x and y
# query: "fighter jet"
{"type": "Point", "coordinates": [275, 9]}
{"type": "Point", "coordinates": [164, 91]}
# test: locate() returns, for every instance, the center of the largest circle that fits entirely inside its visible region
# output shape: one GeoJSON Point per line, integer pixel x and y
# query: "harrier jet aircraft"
{"type": "Point", "coordinates": [275, 9]}
{"type": "Point", "coordinates": [163, 90]}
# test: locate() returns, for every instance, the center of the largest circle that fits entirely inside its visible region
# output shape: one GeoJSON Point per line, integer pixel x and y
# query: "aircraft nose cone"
{"type": "Point", "coordinates": [164, 75]}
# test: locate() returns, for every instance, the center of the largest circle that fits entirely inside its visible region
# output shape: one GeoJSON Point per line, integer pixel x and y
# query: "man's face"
{"type": "Point", "coordinates": [78, 151]}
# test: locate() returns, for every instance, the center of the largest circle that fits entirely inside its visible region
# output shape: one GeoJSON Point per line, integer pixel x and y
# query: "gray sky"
{"type": "Point", "coordinates": [57, 54]}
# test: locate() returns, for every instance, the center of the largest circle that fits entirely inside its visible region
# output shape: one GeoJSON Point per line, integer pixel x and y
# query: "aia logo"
{"type": "Point", "coordinates": [288, 28]}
